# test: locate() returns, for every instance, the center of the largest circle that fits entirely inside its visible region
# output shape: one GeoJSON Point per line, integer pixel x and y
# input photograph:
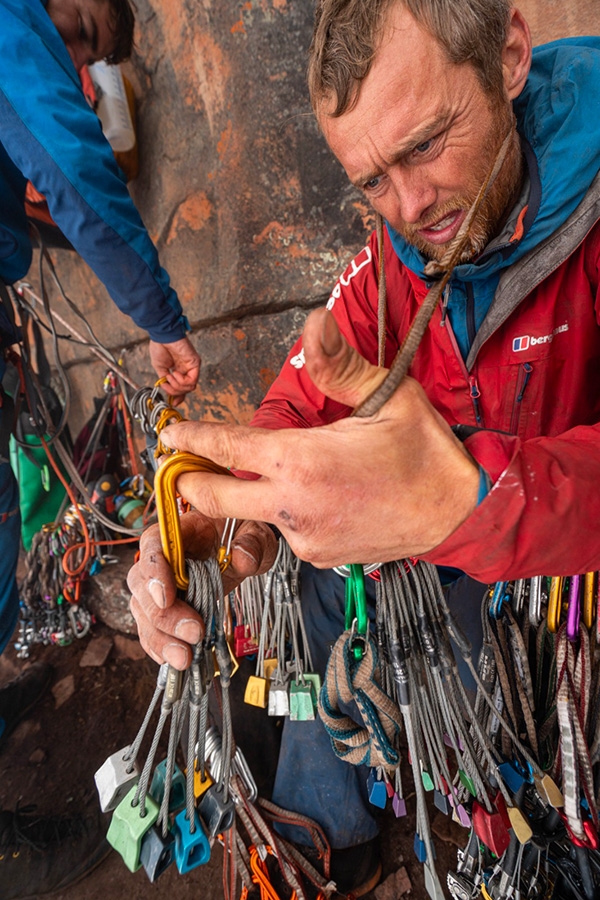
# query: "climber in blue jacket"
{"type": "Point", "coordinates": [50, 136]}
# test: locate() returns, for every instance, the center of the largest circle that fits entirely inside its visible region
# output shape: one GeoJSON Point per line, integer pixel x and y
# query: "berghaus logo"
{"type": "Point", "coordinates": [529, 340]}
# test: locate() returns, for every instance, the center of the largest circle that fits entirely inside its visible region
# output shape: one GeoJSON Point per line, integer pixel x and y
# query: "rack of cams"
{"type": "Point", "coordinates": [538, 667]}
{"type": "Point", "coordinates": [531, 726]}
{"type": "Point", "coordinates": [269, 623]}
{"type": "Point", "coordinates": [508, 753]}
{"type": "Point", "coordinates": [160, 813]}
{"type": "Point", "coordinates": [284, 683]}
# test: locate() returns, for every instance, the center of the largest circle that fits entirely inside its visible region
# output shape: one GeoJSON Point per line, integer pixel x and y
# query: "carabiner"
{"type": "Point", "coordinates": [169, 416]}
{"type": "Point", "coordinates": [224, 552]}
{"type": "Point", "coordinates": [554, 604]}
{"type": "Point", "coordinates": [165, 484]}
{"type": "Point", "coordinates": [356, 609]}
{"type": "Point", "coordinates": [497, 597]}
{"type": "Point", "coordinates": [588, 600]}
{"type": "Point", "coordinates": [574, 609]}
{"type": "Point", "coordinates": [535, 600]}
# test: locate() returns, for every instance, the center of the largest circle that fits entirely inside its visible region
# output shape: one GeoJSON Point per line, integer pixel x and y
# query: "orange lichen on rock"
{"type": "Point", "coordinates": [225, 140]}
{"type": "Point", "coordinates": [286, 236]}
{"type": "Point", "coordinates": [193, 213]}
{"type": "Point", "coordinates": [231, 405]}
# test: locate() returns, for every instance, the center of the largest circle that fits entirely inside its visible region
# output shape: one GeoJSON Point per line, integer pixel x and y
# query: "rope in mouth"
{"type": "Point", "coordinates": [444, 267]}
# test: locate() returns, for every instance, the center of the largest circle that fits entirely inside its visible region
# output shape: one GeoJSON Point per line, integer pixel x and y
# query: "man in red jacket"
{"type": "Point", "coordinates": [419, 105]}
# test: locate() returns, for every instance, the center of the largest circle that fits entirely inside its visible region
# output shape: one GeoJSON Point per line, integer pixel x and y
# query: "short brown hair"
{"type": "Point", "coordinates": [347, 35]}
{"type": "Point", "coordinates": [123, 24]}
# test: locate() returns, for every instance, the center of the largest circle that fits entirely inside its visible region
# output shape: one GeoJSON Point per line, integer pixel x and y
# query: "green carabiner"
{"type": "Point", "coordinates": [356, 609]}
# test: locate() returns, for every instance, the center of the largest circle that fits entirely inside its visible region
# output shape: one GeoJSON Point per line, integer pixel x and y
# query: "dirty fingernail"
{"type": "Point", "coordinates": [157, 592]}
{"type": "Point", "coordinates": [188, 630]}
{"type": "Point", "coordinates": [176, 655]}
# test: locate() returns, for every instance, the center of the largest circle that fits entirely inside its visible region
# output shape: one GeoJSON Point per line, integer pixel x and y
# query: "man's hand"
{"type": "Point", "coordinates": [180, 363]}
{"type": "Point", "coordinates": [360, 490]}
{"type": "Point", "coordinates": [167, 626]}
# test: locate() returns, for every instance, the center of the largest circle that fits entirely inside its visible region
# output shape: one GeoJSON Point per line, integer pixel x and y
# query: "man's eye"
{"type": "Point", "coordinates": [373, 183]}
{"type": "Point", "coordinates": [424, 147]}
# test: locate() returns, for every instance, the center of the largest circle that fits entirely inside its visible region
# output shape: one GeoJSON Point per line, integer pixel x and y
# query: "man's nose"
{"type": "Point", "coordinates": [415, 192]}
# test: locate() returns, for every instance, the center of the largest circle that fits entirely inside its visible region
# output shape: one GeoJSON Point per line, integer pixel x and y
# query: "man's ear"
{"type": "Point", "coordinates": [516, 55]}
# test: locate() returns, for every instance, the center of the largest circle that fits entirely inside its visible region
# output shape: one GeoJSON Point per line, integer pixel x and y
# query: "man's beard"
{"type": "Point", "coordinates": [493, 210]}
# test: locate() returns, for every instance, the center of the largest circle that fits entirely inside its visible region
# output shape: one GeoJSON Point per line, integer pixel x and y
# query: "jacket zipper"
{"type": "Point", "coordinates": [475, 395]}
{"type": "Point", "coordinates": [525, 371]}
{"type": "Point", "coordinates": [471, 380]}
{"type": "Point", "coordinates": [471, 332]}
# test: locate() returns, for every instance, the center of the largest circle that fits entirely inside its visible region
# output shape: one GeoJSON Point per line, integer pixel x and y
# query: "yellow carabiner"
{"type": "Point", "coordinates": [159, 383]}
{"type": "Point", "coordinates": [165, 484]}
{"type": "Point", "coordinates": [555, 604]}
{"type": "Point", "coordinates": [588, 599]}
{"type": "Point", "coordinates": [169, 416]}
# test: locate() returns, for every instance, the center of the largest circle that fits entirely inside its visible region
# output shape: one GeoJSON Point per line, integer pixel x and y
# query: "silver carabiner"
{"type": "Point", "coordinates": [535, 600]}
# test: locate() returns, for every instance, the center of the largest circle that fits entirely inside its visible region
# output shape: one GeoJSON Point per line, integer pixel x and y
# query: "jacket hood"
{"type": "Point", "coordinates": [558, 119]}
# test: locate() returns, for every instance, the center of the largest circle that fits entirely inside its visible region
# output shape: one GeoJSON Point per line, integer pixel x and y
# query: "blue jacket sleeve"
{"type": "Point", "coordinates": [55, 140]}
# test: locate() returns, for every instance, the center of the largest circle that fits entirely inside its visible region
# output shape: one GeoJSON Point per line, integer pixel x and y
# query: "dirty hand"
{"type": "Point", "coordinates": [179, 363]}
{"type": "Point", "coordinates": [167, 626]}
{"type": "Point", "coordinates": [360, 490]}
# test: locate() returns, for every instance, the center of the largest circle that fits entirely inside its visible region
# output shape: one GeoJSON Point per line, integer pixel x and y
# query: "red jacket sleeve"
{"type": "Point", "coordinates": [539, 517]}
{"type": "Point", "coordinates": [292, 400]}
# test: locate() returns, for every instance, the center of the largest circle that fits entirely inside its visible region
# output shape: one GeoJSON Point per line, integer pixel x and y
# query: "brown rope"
{"type": "Point", "coordinates": [522, 677]}
{"type": "Point", "coordinates": [381, 293]}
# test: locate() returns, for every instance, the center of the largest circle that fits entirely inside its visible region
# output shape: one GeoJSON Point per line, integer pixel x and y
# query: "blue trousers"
{"type": "Point", "coordinates": [310, 778]}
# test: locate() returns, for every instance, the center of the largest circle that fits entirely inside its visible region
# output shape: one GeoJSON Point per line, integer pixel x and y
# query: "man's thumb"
{"type": "Point", "coordinates": [335, 368]}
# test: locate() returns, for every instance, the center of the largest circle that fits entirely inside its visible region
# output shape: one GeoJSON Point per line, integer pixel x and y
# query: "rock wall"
{"type": "Point", "coordinates": [253, 218]}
